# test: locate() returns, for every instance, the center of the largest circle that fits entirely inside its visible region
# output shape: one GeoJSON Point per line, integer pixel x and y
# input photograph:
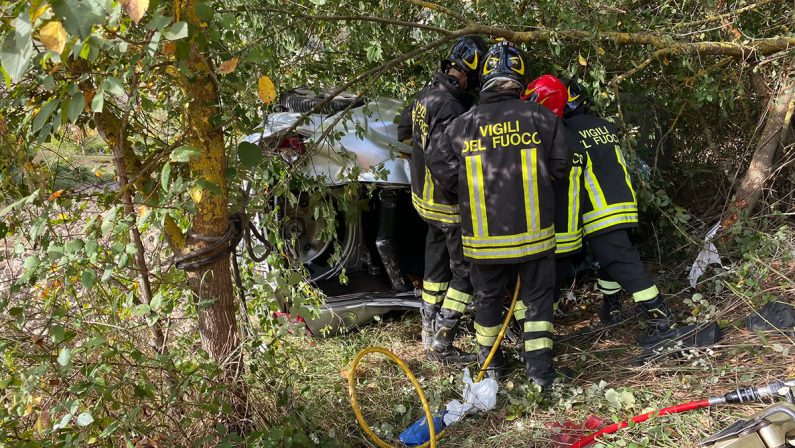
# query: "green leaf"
{"type": "Point", "coordinates": [88, 278]}
{"type": "Point", "coordinates": [17, 49]}
{"type": "Point", "coordinates": [73, 246]}
{"type": "Point", "coordinates": [98, 101]}
{"type": "Point", "coordinates": [184, 154]}
{"type": "Point", "coordinates": [176, 31]}
{"type": "Point", "coordinates": [113, 86]}
{"type": "Point", "coordinates": [156, 302]}
{"type": "Point", "coordinates": [249, 154]}
{"type": "Point", "coordinates": [79, 15]}
{"type": "Point", "coordinates": [141, 310]}
{"type": "Point", "coordinates": [108, 221]}
{"type": "Point", "coordinates": [57, 332]}
{"type": "Point", "coordinates": [84, 419]}
{"type": "Point", "coordinates": [31, 262]}
{"type": "Point", "coordinates": [109, 430]}
{"type": "Point", "coordinates": [43, 114]}
{"type": "Point", "coordinates": [65, 357]}
{"type": "Point", "coordinates": [75, 107]}
{"type": "Point", "coordinates": [374, 51]}
{"type": "Point", "coordinates": [204, 12]}
{"type": "Point", "coordinates": [165, 176]}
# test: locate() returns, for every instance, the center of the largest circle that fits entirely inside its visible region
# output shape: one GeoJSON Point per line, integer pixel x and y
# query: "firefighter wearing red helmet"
{"type": "Point", "coordinates": [609, 209]}
{"type": "Point", "coordinates": [446, 288]}
{"type": "Point", "coordinates": [551, 92]}
{"type": "Point", "coordinates": [500, 158]}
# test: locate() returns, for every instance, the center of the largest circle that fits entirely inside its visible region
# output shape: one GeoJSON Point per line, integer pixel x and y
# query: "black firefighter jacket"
{"type": "Point", "coordinates": [424, 121]}
{"type": "Point", "coordinates": [501, 157]}
{"type": "Point", "coordinates": [608, 199]}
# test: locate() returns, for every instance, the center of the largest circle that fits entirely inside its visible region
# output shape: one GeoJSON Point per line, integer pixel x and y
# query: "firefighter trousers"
{"type": "Point", "coordinates": [620, 266]}
{"type": "Point", "coordinates": [446, 281]}
{"type": "Point", "coordinates": [534, 314]}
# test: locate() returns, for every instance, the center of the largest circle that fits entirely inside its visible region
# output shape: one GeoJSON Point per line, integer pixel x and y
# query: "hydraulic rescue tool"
{"type": "Point", "coordinates": [744, 395]}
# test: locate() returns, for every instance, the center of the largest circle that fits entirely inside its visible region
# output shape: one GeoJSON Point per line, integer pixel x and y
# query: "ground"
{"type": "Point", "coordinates": [606, 383]}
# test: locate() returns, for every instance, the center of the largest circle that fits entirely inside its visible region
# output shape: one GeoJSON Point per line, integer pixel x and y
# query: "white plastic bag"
{"type": "Point", "coordinates": [480, 396]}
{"type": "Point", "coordinates": [708, 255]}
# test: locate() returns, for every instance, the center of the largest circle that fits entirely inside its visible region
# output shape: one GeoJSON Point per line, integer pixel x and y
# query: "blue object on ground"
{"type": "Point", "coordinates": [417, 433]}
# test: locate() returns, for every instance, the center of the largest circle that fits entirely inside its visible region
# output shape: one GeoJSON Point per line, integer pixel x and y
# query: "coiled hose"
{"type": "Point", "coordinates": [357, 411]}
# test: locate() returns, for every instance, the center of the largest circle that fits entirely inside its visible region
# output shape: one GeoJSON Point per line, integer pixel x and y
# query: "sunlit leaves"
{"type": "Point", "coordinates": [176, 31]}
{"type": "Point", "coordinates": [53, 36]}
{"type": "Point", "coordinates": [80, 15]}
{"type": "Point", "coordinates": [135, 8]}
{"type": "Point", "coordinates": [17, 49]}
{"type": "Point", "coordinates": [266, 90]}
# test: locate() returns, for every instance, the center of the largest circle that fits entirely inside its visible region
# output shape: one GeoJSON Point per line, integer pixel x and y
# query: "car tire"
{"type": "Point", "coordinates": [303, 100]}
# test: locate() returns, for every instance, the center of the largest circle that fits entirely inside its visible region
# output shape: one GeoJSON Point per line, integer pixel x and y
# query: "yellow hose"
{"type": "Point", "coordinates": [425, 406]}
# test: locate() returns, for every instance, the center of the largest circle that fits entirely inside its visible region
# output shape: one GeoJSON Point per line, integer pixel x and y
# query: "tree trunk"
{"type": "Point", "coordinates": [212, 284]}
{"type": "Point", "coordinates": [775, 134]}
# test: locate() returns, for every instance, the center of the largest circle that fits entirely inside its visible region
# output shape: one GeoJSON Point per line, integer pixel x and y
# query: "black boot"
{"type": "Point", "coordinates": [611, 309]}
{"type": "Point", "coordinates": [658, 315]}
{"type": "Point", "coordinates": [540, 369]}
{"type": "Point", "coordinates": [442, 349]}
{"type": "Point", "coordinates": [428, 312]}
{"type": "Point", "coordinates": [497, 367]}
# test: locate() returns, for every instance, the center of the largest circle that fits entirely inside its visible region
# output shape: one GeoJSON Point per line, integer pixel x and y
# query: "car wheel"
{"type": "Point", "coordinates": [303, 100]}
{"type": "Point", "coordinates": [311, 247]}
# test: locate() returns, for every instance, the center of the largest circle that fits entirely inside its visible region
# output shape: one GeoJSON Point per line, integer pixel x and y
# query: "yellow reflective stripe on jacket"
{"type": "Point", "coordinates": [567, 242]}
{"type": "Point", "coordinates": [509, 246]}
{"type": "Point", "coordinates": [599, 213]}
{"type": "Point", "coordinates": [646, 294]}
{"type": "Point", "coordinates": [530, 186]}
{"type": "Point", "coordinates": [574, 199]}
{"type": "Point", "coordinates": [595, 193]}
{"type": "Point", "coordinates": [538, 325]}
{"type": "Point", "coordinates": [486, 336]}
{"type": "Point", "coordinates": [623, 164]}
{"type": "Point", "coordinates": [436, 212]}
{"type": "Point", "coordinates": [427, 188]}
{"type": "Point", "coordinates": [610, 221]}
{"type": "Point", "coordinates": [434, 286]}
{"type": "Point", "coordinates": [477, 197]}
{"type": "Point", "coordinates": [537, 344]}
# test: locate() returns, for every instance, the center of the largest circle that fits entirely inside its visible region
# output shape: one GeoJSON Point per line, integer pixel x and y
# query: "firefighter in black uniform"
{"type": "Point", "coordinates": [501, 157]}
{"type": "Point", "coordinates": [551, 92]}
{"type": "Point", "coordinates": [609, 209]}
{"type": "Point", "coordinates": [446, 287]}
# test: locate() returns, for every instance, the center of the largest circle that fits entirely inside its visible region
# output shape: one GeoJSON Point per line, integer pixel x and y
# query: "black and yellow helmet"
{"type": "Point", "coordinates": [466, 56]}
{"type": "Point", "coordinates": [504, 59]}
{"type": "Point", "coordinates": [577, 102]}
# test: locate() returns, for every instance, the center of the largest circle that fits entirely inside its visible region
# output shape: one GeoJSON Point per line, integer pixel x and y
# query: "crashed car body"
{"type": "Point", "coordinates": [381, 259]}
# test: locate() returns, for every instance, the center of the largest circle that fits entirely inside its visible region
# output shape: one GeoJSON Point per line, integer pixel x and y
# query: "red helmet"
{"type": "Point", "coordinates": [549, 91]}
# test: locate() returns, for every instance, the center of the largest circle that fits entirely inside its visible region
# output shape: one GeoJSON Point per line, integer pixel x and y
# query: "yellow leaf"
{"type": "Point", "coordinates": [37, 11]}
{"type": "Point", "coordinates": [227, 67]}
{"type": "Point", "coordinates": [581, 60]}
{"type": "Point", "coordinates": [266, 90]}
{"type": "Point", "coordinates": [601, 51]}
{"type": "Point", "coordinates": [53, 36]}
{"type": "Point", "coordinates": [142, 210]}
{"type": "Point", "coordinates": [135, 8]}
{"type": "Point", "coordinates": [55, 195]}
{"type": "Point", "coordinates": [196, 193]}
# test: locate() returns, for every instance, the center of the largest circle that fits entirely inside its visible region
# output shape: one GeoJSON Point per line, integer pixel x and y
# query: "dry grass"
{"type": "Point", "coordinates": [595, 354]}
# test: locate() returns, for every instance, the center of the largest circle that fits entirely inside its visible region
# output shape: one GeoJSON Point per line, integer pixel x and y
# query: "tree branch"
{"type": "Point", "coordinates": [441, 9]}
{"type": "Point", "coordinates": [720, 17]}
